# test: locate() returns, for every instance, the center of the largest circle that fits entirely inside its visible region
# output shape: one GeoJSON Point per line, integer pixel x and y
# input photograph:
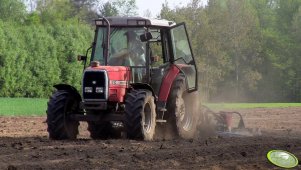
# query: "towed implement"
{"type": "Point", "coordinates": [227, 123]}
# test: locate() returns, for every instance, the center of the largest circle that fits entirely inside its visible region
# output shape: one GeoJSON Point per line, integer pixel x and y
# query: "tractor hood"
{"type": "Point", "coordinates": [120, 73]}
{"type": "Point", "coordinates": [109, 68]}
{"type": "Point", "coordinates": [114, 80]}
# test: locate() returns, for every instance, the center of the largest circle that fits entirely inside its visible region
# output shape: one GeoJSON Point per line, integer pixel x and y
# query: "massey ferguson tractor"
{"type": "Point", "coordinates": [140, 83]}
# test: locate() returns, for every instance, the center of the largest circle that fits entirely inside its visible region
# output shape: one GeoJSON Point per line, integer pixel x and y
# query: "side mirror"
{"type": "Point", "coordinates": [81, 58]}
{"type": "Point", "coordinates": [146, 36]}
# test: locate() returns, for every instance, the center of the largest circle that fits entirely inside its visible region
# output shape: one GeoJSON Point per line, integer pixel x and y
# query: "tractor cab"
{"type": "Point", "coordinates": [146, 46]}
{"type": "Point", "coordinates": [124, 49]}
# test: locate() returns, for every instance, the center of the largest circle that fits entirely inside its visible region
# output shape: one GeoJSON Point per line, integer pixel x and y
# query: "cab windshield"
{"type": "Point", "coordinates": [125, 49]}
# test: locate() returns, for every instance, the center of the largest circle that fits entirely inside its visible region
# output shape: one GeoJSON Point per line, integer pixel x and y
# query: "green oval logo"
{"type": "Point", "coordinates": [282, 159]}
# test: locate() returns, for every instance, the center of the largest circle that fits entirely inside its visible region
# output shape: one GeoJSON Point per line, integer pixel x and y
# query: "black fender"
{"type": "Point", "coordinates": [70, 89]}
{"type": "Point", "coordinates": [144, 86]}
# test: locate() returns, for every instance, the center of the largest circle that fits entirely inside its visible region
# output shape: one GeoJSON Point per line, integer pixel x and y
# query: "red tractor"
{"type": "Point", "coordinates": [141, 83]}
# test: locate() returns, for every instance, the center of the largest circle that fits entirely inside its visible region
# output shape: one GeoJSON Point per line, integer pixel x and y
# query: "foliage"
{"type": "Point", "coordinates": [245, 50]}
{"type": "Point", "coordinates": [38, 48]}
{"type": "Point", "coordinates": [118, 8]}
{"type": "Point", "coordinates": [34, 58]}
{"type": "Point", "coordinates": [108, 9]}
{"type": "Point", "coordinates": [12, 10]}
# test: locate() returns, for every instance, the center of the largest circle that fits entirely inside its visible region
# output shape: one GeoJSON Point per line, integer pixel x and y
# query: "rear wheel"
{"type": "Point", "coordinates": [140, 115]}
{"type": "Point", "coordinates": [182, 109]}
{"type": "Point", "coordinates": [60, 106]}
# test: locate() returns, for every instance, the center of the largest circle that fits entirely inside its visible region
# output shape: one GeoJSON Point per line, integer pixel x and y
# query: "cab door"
{"type": "Point", "coordinates": [182, 55]}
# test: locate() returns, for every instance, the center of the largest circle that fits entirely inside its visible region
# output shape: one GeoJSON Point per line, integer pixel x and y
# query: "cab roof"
{"type": "Point", "coordinates": [134, 21]}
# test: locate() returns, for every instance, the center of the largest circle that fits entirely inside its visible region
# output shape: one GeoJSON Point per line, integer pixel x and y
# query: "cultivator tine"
{"type": "Point", "coordinates": [241, 123]}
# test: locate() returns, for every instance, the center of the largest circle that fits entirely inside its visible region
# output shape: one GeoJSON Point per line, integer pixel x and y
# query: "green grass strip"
{"type": "Point", "coordinates": [37, 107]}
{"type": "Point", "coordinates": [23, 107]}
{"type": "Point", "coordinates": [250, 105]}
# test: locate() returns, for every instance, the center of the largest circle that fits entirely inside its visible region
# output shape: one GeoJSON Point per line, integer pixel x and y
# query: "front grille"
{"type": "Point", "coordinates": [93, 82]}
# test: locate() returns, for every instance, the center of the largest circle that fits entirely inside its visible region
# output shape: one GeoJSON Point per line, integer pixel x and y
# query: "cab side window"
{"type": "Point", "coordinates": [182, 54]}
{"type": "Point", "coordinates": [181, 48]}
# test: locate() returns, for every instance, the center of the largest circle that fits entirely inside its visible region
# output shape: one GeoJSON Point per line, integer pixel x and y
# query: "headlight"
{"type": "Point", "coordinates": [88, 90]}
{"type": "Point", "coordinates": [99, 89]}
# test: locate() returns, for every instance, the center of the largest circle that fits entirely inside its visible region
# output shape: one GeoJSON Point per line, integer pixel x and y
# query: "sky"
{"type": "Point", "coordinates": [155, 5]}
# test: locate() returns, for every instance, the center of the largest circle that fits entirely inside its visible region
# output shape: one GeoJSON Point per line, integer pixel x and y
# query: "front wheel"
{"type": "Point", "coordinates": [140, 115]}
{"type": "Point", "coordinates": [60, 106]}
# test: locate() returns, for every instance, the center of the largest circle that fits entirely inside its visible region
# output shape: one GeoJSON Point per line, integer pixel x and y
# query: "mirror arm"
{"type": "Point", "coordinates": [85, 62]}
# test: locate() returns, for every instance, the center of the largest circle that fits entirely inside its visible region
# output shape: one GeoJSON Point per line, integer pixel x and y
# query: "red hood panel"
{"type": "Point", "coordinates": [110, 68]}
{"type": "Point", "coordinates": [119, 77]}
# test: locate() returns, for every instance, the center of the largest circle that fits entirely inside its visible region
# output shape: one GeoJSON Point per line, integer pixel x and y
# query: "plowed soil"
{"type": "Point", "coordinates": [24, 144]}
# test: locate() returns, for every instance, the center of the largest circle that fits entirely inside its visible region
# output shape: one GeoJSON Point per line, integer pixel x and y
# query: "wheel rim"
{"type": "Point", "coordinates": [185, 116]}
{"type": "Point", "coordinates": [147, 123]}
{"type": "Point", "coordinates": [187, 122]}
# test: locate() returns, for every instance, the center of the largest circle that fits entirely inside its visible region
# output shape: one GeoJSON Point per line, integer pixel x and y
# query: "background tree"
{"type": "Point", "coordinates": [84, 10]}
{"type": "Point", "coordinates": [245, 50]}
{"type": "Point", "coordinates": [53, 11]}
{"type": "Point", "coordinates": [126, 7]}
{"type": "Point", "coordinates": [240, 40]}
{"type": "Point", "coordinates": [12, 10]}
{"type": "Point", "coordinates": [117, 8]}
{"type": "Point", "coordinates": [108, 9]}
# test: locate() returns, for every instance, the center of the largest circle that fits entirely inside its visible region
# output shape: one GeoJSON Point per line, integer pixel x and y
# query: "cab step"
{"type": "Point", "coordinates": [161, 121]}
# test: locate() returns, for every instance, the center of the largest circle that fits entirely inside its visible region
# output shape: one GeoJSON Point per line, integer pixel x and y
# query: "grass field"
{"type": "Point", "coordinates": [37, 107]}
{"type": "Point", "coordinates": [22, 107]}
{"type": "Point", "coordinates": [250, 105]}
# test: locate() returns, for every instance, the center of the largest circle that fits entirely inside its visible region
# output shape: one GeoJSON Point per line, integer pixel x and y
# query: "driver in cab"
{"type": "Point", "coordinates": [134, 55]}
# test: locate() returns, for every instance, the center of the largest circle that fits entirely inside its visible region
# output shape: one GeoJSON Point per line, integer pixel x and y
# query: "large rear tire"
{"type": "Point", "coordinates": [62, 104]}
{"type": "Point", "coordinates": [140, 115]}
{"type": "Point", "coordinates": [182, 108]}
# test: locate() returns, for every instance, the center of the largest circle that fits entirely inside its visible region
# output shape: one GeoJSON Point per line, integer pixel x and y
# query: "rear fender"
{"type": "Point", "coordinates": [70, 89]}
{"type": "Point", "coordinates": [167, 82]}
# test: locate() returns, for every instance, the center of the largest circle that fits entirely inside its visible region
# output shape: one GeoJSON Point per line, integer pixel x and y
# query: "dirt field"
{"type": "Point", "coordinates": [24, 145]}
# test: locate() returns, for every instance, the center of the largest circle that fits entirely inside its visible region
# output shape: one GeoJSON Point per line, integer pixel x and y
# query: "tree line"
{"type": "Point", "coordinates": [245, 50]}
{"type": "Point", "coordinates": [39, 45]}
